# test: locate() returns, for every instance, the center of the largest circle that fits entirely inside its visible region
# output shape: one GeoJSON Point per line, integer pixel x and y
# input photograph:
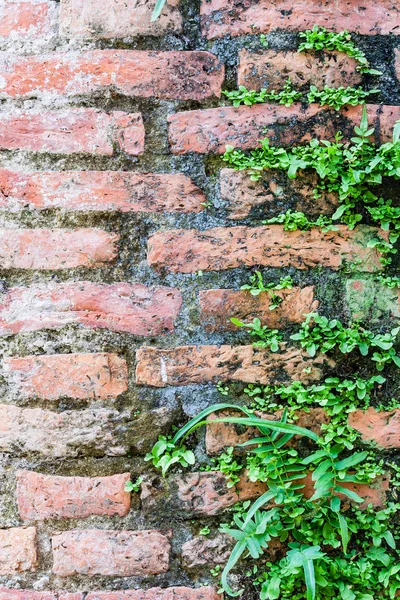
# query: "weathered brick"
{"type": "Point", "coordinates": [379, 428]}
{"type": "Point", "coordinates": [171, 593]}
{"type": "Point", "coordinates": [67, 434]}
{"type": "Point", "coordinates": [56, 249]}
{"type": "Point", "coordinates": [25, 18]}
{"type": "Point", "coordinates": [271, 68]}
{"type": "Point", "coordinates": [264, 197]}
{"type": "Point", "coordinates": [208, 494]}
{"type": "Point", "coordinates": [69, 131]}
{"type": "Point", "coordinates": [211, 130]}
{"type": "Point", "coordinates": [81, 376]}
{"type": "Point", "coordinates": [369, 300]}
{"type": "Point", "coordinates": [115, 553]}
{"type": "Point", "coordinates": [86, 191]}
{"type": "Point", "coordinates": [224, 435]}
{"type": "Point", "coordinates": [17, 550]}
{"type": "Point", "coordinates": [234, 17]}
{"type": "Point", "coordinates": [207, 552]}
{"type": "Point", "coordinates": [190, 250]}
{"type": "Point", "coordinates": [186, 365]}
{"type": "Point", "coordinates": [9, 594]}
{"type": "Point", "coordinates": [43, 497]}
{"type": "Point", "coordinates": [182, 75]}
{"type": "Point", "coordinates": [114, 19]}
{"type": "Point", "coordinates": [217, 307]}
{"type": "Point", "coordinates": [124, 307]}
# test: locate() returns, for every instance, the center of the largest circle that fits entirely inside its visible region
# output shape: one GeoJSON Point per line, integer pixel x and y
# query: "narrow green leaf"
{"type": "Point", "coordinates": [344, 532]}
{"type": "Point", "coordinates": [157, 10]}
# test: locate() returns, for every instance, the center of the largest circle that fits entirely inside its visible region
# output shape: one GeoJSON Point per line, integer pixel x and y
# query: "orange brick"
{"type": "Point", "coordinates": [69, 131]}
{"type": "Point", "coordinates": [56, 249]}
{"type": "Point", "coordinates": [191, 75]}
{"type": "Point", "coordinates": [234, 17]}
{"type": "Point", "coordinates": [81, 376]}
{"type": "Point", "coordinates": [87, 191]}
{"type": "Point", "coordinates": [186, 365]}
{"type": "Point", "coordinates": [18, 551]}
{"type": "Point", "coordinates": [271, 68]}
{"type": "Point", "coordinates": [221, 248]}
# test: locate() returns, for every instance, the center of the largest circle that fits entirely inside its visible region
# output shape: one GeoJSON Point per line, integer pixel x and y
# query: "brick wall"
{"type": "Point", "coordinates": [124, 241]}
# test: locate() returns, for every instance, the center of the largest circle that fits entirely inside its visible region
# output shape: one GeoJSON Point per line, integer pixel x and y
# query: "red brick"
{"type": "Point", "coordinates": [208, 494]}
{"type": "Point", "coordinates": [76, 191]}
{"type": "Point", "coordinates": [113, 19]}
{"type": "Point", "coordinates": [190, 250]}
{"type": "Point", "coordinates": [98, 432]}
{"type": "Point", "coordinates": [211, 130]}
{"type": "Point", "coordinates": [114, 553]}
{"type": "Point", "coordinates": [124, 307]}
{"type": "Point", "coordinates": [380, 428]}
{"type": "Point", "coordinates": [69, 131]}
{"type": "Point", "coordinates": [217, 307]}
{"type": "Point", "coordinates": [56, 249]}
{"type": "Point", "coordinates": [182, 75]}
{"type": "Point", "coordinates": [186, 365]}
{"type": "Point", "coordinates": [224, 435]}
{"type": "Point", "coordinates": [18, 551]}
{"type": "Point", "coordinates": [82, 376]}
{"type": "Point", "coordinates": [26, 18]}
{"type": "Point", "coordinates": [234, 17]}
{"type": "Point", "coordinates": [271, 69]}
{"type": "Point", "coordinates": [172, 593]}
{"type": "Point", "coordinates": [43, 497]}
{"type": "Point", "coordinates": [245, 197]}
{"type": "Point", "coordinates": [201, 551]}
{"type": "Point", "coordinates": [9, 594]}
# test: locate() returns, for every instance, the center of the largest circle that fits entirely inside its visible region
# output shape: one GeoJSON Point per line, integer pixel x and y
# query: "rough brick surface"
{"type": "Point", "coordinates": [211, 130]}
{"type": "Point", "coordinates": [208, 494]}
{"type": "Point", "coordinates": [172, 593]}
{"type": "Point", "coordinates": [22, 19]}
{"type": "Point", "coordinates": [245, 197]}
{"type": "Point", "coordinates": [100, 552]}
{"type": "Point", "coordinates": [114, 19]}
{"type": "Point", "coordinates": [369, 300]}
{"type": "Point", "coordinates": [81, 376]}
{"type": "Point", "coordinates": [217, 307]}
{"type": "Point", "coordinates": [86, 191]}
{"type": "Point", "coordinates": [234, 17]}
{"type": "Point", "coordinates": [223, 435]}
{"type": "Point", "coordinates": [186, 365]}
{"type": "Point", "coordinates": [10, 594]}
{"type": "Point", "coordinates": [379, 428]}
{"type": "Point", "coordinates": [56, 249]}
{"type": "Point", "coordinates": [43, 497]}
{"type": "Point", "coordinates": [188, 251]}
{"type": "Point", "coordinates": [17, 550]}
{"type": "Point", "coordinates": [70, 131]}
{"type": "Point", "coordinates": [178, 75]}
{"type": "Point", "coordinates": [271, 69]}
{"type": "Point", "coordinates": [207, 552]}
{"type": "Point", "coordinates": [68, 434]}
{"type": "Point", "coordinates": [125, 307]}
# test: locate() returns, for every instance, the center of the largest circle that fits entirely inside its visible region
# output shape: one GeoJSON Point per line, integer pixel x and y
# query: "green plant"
{"type": "Point", "coordinates": [205, 531]}
{"type": "Point", "coordinates": [267, 338]}
{"type": "Point", "coordinates": [293, 220]}
{"type": "Point", "coordinates": [320, 334]}
{"type": "Point", "coordinates": [389, 281]}
{"type": "Point", "coordinates": [165, 453]}
{"type": "Point", "coordinates": [339, 97]}
{"type": "Point", "coordinates": [157, 10]}
{"type": "Point", "coordinates": [133, 486]}
{"type": "Point", "coordinates": [257, 286]}
{"type": "Point", "coordinates": [319, 38]}
{"type": "Point", "coordinates": [350, 170]}
{"type": "Point", "coordinates": [242, 95]}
